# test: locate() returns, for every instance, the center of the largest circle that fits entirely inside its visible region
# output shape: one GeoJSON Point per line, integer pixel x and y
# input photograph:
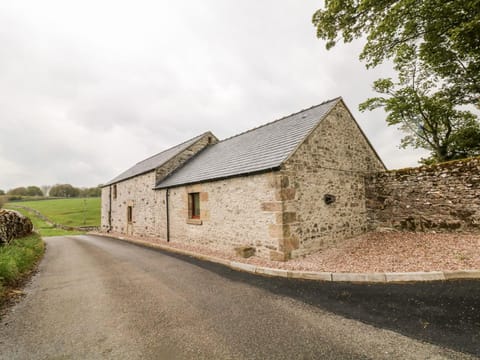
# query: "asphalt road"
{"type": "Point", "coordinates": [96, 298]}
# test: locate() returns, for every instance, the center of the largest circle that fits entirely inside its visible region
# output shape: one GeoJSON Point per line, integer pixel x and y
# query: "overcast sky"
{"type": "Point", "coordinates": [89, 88]}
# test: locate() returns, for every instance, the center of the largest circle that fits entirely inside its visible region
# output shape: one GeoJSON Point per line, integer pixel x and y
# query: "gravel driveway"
{"type": "Point", "coordinates": [388, 251]}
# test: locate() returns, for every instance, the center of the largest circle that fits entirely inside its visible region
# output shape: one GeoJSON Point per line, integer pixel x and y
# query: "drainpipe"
{"type": "Point", "coordinates": [110, 209]}
{"type": "Point", "coordinates": [167, 195]}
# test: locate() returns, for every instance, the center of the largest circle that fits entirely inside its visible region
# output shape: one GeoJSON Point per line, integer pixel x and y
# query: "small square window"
{"type": "Point", "coordinates": [115, 191]}
{"type": "Point", "coordinates": [129, 214]}
{"type": "Point", "coordinates": [194, 206]}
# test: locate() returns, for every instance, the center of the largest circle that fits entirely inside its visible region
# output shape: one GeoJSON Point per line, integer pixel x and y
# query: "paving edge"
{"type": "Point", "coordinates": [380, 277]}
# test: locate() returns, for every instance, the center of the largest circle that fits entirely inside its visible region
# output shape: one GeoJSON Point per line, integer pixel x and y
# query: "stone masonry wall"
{"type": "Point", "coordinates": [234, 212]}
{"type": "Point", "coordinates": [174, 163]}
{"type": "Point", "coordinates": [442, 197]}
{"type": "Point", "coordinates": [104, 208]}
{"type": "Point", "coordinates": [333, 161]}
{"type": "Point", "coordinates": [136, 192]}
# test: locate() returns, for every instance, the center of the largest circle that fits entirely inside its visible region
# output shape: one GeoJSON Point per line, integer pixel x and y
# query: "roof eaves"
{"type": "Point", "coordinates": [256, 172]}
{"type": "Point", "coordinates": [128, 177]}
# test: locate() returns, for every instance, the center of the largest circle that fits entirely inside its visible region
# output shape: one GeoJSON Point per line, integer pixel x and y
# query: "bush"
{"type": "Point", "coordinates": [3, 200]}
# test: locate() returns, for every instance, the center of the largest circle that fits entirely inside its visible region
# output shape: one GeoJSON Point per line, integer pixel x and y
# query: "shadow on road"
{"type": "Point", "coordinates": [446, 313]}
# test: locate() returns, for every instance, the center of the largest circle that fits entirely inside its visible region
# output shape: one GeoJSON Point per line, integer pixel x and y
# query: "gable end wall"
{"type": "Point", "coordinates": [180, 159]}
{"type": "Point", "coordinates": [334, 160]}
{"type": "Point", "coordinates": [136, 192]}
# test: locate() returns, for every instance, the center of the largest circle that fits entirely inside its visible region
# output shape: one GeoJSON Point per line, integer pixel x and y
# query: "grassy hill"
{"type": "Point", "coordinates": [69, 212]}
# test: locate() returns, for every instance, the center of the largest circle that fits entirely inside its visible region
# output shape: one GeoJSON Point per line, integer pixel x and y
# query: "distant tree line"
{"type": "Point", "coordinates": [58, 190]}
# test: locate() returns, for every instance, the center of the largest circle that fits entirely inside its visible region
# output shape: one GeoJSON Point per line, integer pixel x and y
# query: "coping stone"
{"type": "Point", "coordinates": [271, 272]}
{"type": "Point", "coordinates": [243, 267]}
{"type": "Point", "coordinates": [310, 275]}
{"type": "Point", "coordinates": [359, 277]}
{"type": "Point", "coordinates": [415, 276]}
{"type": "Point", "coordinates": [462, 274]}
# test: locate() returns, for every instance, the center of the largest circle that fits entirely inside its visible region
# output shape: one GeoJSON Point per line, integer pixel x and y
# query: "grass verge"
{"type": "Point", "coordinates": [17, 260]}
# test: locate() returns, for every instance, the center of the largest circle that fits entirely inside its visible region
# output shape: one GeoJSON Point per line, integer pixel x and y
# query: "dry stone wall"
{"type": "Point", "coordinates": [13, 225]}
{"type": "Point", "coordinates": [443, 197]}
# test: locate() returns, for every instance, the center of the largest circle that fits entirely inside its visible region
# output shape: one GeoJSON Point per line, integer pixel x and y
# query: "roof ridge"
{"type": "Point", "coordinates": [172, 147]}
{"type": "Point", "coordinates": [282, 118]}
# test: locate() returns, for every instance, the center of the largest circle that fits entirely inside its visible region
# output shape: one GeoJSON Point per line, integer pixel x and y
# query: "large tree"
{"type": "Point", "coordinates": [18, 191]}
{"type": "Point", "coordinates": [445, 35]}
{"type": "Point", "coordinates": [426, 114]}
{"type": "Point", "coordinates": [91, 192]}
{"type": "Point", "coordinates": [435, 49]}
{"type": "Point", "coordinates": [64, 190]}
{"type": "Point", "coordinates": [34, 191]}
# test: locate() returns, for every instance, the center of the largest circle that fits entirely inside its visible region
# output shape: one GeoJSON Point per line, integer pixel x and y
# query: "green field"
{"type": "Point", "coordinates": [43, 228]}
{"type": "Point", "coordinates": [69, 212]}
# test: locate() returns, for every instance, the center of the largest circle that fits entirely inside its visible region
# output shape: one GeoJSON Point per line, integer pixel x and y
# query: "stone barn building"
{"type": "Point", "coordinates": [287, 188]}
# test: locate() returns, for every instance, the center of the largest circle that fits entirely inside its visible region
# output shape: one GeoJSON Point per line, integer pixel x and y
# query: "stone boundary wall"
{"type": "Point", "coordinates": [442, 197]}
{"type": "Point", "coordinates": [13, 225]}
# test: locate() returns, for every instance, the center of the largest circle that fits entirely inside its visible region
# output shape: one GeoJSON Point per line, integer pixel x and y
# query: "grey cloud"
{"type": "Point", "coordinates": [89, 88]}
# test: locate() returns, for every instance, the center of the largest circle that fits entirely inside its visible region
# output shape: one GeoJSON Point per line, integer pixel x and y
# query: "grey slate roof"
{"type": "Point", "coordinates": [256, 150]}
{"type": "Point", "coordinates": [154, 161]}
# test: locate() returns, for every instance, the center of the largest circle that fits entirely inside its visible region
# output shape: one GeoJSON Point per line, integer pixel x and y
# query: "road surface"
{"type": "Point", "coordinates": [97, 298]}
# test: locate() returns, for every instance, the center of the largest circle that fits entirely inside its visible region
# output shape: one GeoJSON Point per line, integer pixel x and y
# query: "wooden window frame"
{"type": "Point", "coordinates": [129, 214]}
{"type": "Point", "coordinates": [194, 211]}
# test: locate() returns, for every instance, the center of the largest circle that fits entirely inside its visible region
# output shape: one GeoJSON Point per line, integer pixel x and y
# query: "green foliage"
{"type": "Point", "coordinates": [18, 191]}
{"type": "Point", "coordinates": [25, 191]}
{"type": "Point", "coordinates": [64, 190]}
{"type": "Point", "coordinates": [19, 257]}
{"type": "Point", "coordinates": [424, 113]}
{"type": "Point", "coordinates": [91, 192]}
{"type": "Point", "coordinates": [3, 200]}
{"type": "Point", "coordinates": [443, 35]}
{"type": "Point", "coordinates": [24, 198]}
{"type": "Point", "coordinates": [2, 192]}
{"type": "Point", "coordinates": [34, 191]}
{"type": "Point", "coordinates": [435, 46]}
{"type": "Point", "coordinates": [59, 190]}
